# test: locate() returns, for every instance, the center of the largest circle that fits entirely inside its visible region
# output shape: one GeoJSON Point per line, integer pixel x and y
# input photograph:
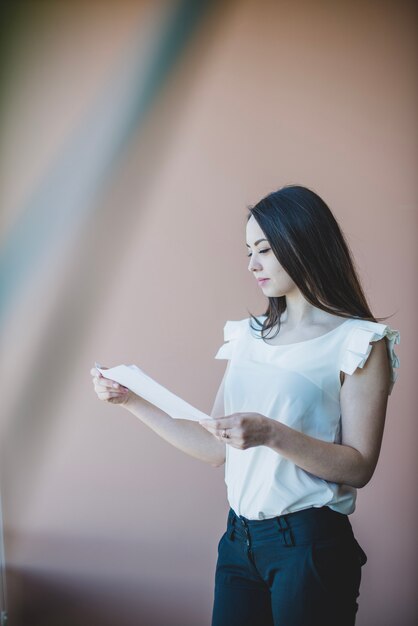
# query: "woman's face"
{"type": "Point", "coordinates": [264, 264]}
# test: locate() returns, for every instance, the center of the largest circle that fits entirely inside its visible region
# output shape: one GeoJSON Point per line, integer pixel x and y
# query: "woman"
{"type": "Point", "coordinates": [298, 419]}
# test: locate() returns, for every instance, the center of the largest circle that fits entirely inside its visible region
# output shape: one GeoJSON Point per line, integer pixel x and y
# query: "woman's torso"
{"type": "Point", "coordinates": [298, 383]}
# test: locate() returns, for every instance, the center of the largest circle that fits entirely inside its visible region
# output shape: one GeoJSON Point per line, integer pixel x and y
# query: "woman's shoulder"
{"type": "Point", "coordinates": [362, 330]}
{"type": "Point", "coordinates": [358, 344]}
{"type": "Point", "coordinates": [233, 330]}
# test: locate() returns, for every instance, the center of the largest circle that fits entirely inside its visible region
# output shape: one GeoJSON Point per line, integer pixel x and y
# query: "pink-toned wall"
{"type": "Point", "coordinates": [104, 521]}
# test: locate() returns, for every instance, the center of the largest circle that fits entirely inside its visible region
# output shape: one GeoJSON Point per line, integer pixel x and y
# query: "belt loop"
{"type": "Point", "coordinates": [290, 537]}
{"type": "Point", "coordinates": [231, 523]}
{"type": "Point", "coordinates": [284, 526]}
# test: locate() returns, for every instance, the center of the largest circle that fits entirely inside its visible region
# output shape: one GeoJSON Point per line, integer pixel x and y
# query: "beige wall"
{"type": "Point", "coordinates": [104, 520]}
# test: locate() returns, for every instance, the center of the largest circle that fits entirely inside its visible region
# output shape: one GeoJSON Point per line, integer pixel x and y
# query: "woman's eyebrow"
{"type": "Point", "coordinates": [256, 242]}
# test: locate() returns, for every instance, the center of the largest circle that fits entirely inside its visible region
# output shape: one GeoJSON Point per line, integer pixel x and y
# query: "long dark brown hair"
{"type": "Point", "coordinates": [309, 244]}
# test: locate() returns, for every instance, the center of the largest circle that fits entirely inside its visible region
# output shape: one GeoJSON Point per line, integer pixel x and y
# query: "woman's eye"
{"type": "Point", "coordinates": [261, 251]}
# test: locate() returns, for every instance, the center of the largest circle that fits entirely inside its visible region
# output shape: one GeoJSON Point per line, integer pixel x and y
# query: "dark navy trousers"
{"type": "Point", "coordinates": [296, 569]}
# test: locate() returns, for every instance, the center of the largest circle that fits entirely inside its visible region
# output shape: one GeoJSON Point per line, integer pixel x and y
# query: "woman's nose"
{"type": "Point", "coordinates": [252, 265]}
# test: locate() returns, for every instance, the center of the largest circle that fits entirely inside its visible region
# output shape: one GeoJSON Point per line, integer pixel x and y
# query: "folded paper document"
{"type": "Point", "coordinates": [143, 385]}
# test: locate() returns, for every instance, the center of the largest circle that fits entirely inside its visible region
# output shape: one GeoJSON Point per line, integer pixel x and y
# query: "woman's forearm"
{"type": "Point", "coordinates": [188, 436]}
{"type": "Point", "coordinates": [330, 461]}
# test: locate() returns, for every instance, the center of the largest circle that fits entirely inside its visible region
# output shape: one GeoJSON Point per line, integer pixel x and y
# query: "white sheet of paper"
{"type": "Point", "coordinates": [143, 385]}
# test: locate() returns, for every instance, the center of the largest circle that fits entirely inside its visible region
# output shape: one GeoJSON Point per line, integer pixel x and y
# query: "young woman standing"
{"type": "Point", "coordinates": [298, 420]}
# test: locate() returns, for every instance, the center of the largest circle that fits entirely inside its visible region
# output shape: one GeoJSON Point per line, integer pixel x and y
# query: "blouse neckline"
{"type": "Point", "coordinates": [297, 343]}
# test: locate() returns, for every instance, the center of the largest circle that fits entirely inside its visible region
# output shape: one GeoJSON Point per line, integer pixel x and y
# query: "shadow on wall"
{"type": "Point", "coordinates": [52, 600]}
{"type": "Point", "coordinates": [92, 581]}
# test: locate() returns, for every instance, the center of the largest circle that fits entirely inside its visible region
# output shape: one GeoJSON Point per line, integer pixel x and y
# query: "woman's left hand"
{"type": "Point", "coordinates": [244, 430]}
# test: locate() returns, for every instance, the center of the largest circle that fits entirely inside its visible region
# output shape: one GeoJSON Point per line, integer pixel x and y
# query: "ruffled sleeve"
{"type": "Point", "coordinates": [232, 331]}
{"type": "Point", "coordinates": [358, 347]}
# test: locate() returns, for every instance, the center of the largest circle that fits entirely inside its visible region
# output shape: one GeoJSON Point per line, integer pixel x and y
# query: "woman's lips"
{"type": "Point", "coordinates": [261, 281]}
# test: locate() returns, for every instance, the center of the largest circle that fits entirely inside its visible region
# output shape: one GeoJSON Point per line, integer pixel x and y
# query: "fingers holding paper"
{"type": "Point", "coordinates": [107, 389]}
{"type": "Point", "coordinates": [240, 430]}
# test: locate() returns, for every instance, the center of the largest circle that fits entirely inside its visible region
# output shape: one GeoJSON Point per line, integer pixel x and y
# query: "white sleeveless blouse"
{"type": "Point", "coordinates": [297, 384]}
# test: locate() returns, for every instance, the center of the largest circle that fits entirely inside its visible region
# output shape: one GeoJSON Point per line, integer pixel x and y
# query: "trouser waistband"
{"type": "Point", "coordinates": [310, 524]}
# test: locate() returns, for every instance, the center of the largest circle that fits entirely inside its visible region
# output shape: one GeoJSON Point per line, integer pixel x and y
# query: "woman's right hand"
{"type": "Point", "coordinates": [109, 390]}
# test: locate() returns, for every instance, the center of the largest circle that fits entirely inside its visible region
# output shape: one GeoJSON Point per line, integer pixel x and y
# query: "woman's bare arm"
{"type": "Point", "coordinates": [364, 397]}
{"type": "Point", "coordinates": [188, 436]}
